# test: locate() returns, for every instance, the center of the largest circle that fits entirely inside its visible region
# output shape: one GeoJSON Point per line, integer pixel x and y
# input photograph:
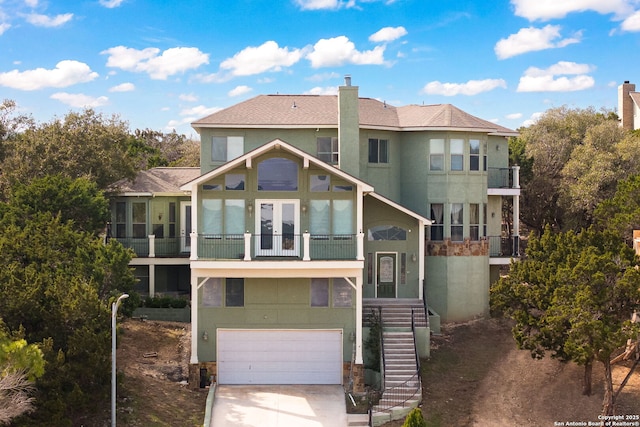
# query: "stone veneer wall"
{"type": "Point", "coordinates": [466, 248]}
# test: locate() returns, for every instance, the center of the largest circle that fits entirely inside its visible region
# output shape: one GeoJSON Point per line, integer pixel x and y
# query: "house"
{"type": "Point", "coordinates": [313, 212]}
{"type": "Point", "coordinates": [629, 106]}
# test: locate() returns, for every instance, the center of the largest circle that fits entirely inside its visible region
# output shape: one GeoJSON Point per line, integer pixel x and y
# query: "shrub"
{"type": "Point", "coordinates": [415, 419]}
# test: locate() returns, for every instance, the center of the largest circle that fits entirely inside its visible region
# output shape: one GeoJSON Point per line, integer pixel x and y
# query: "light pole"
{"type": "Point", "coordinates": [114, 312]}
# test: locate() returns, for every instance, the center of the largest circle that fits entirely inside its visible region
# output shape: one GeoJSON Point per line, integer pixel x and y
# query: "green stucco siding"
{"type": "Point", "coordinates": [275, 303]}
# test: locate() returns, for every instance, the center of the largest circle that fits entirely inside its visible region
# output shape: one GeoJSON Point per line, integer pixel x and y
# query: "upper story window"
{"type": "Point", "coordinates": [139, 219]}
{"type": "Point", "coordinates": [225, 148]}
{"type": "Point", "coordinates": [331, 217]}
{"type": "Point", "coordinates": [474, 154]}
{"type": "Point", "coordinates": [436, 154]}
{"type": "Point", "coordinates": [457, 215]}
{"type": "Point", "coordinates": [474, 221]}
{"type": "Point", "coordinates": [387, 232]}
{"type": "Point", "coordinates": [328, 150]}
{"type": "Point", "coordinates": [234, 181]}
{"type": "Point", "coordinates": [319, 183]}
{"type": "Point", "coordinates": [457, 154]}
{"type": "Point", "coordinates": [437, 224]}
{"type": "Point", "coordinates": [378, 150]}
{"type": "Point", "coordinates": [277, 174]}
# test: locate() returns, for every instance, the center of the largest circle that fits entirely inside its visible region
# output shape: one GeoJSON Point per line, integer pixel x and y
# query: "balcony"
{"type": "Point", "coordinates": [305, 247]}
{"type": "Point", "coordinates": [150, 247]}
{"type": "Point", "coordinates": [504, 247]}
{"type": "Point", "coordinates": [503, 177]}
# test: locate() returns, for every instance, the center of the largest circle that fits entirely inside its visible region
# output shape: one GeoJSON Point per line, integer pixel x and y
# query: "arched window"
{"type": "Point", "coordinates": [387, 232]}
{"type": "Point", "coordinates": [278, 174]}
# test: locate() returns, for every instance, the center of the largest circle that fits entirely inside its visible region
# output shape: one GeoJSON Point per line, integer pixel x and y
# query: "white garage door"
{"type": "Point", "coordinates": [279, 356]}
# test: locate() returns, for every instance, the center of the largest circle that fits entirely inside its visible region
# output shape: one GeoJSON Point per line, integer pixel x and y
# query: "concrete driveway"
{"type": "Point", "coordinates": [279, 406]}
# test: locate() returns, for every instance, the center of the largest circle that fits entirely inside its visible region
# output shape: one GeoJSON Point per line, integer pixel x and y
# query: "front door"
{"type": "Point", "coordinates": [386, 275]}
{"type": "Point", "coordinates": [185, 226]}
{"type": "Point", "coordinates": [277, 228]}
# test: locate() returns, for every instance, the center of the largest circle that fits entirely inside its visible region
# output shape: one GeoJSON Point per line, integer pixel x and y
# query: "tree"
{"type": "Point", "coordinates": [57, 284]}
{"type": "Point", "coordinates": [549, 144]}
{"type": "Point", "coordinates": [77, 200]}
{"type": "Point", "coordinates": [573, 297]}
{"type": "Point", "coordinates": [83, 144]}
{"type": "Point", "coordinates": [152, 149]}
{"type": "Point", "coordinates": [20, 365]}
{"type": "Point", "coordinates": [621, 213]}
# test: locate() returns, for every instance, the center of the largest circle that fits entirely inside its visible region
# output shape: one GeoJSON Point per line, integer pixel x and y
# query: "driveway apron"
{"type": "Point", "coordinates": [279, 406]}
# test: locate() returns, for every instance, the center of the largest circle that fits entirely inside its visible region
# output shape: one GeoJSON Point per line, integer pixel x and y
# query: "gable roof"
{"type": "Point", "coordinates": [156, 181]}
{"type": "Point", "coordinates": [321, 111]}
{"type": "Point", "coordinates": [276, 144]}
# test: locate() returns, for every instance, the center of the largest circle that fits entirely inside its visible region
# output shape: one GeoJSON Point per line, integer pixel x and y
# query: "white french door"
{"type": "Point", "coordinates": [185, 226]}
{"type": "Point", "coordinates": [277, 228]}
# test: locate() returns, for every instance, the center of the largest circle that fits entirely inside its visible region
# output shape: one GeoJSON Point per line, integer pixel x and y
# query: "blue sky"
{"type": "Point", "coordinates": [163, 64]}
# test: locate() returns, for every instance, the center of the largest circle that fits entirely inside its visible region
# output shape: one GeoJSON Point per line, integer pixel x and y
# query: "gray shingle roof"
{"type": "Point", "coordinates": [163, 180]}
{"type": "Point", "coordinates": [322, 111]}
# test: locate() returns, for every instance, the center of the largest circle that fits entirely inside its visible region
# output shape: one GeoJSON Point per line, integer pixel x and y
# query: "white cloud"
{"type": "Point", "coordinates": [192, 114]}
{"type": "Point", "coordinates": [46, 21]}
{"type": "Point", "coordinates": [546, 80]}
{"type": "Point", "coordinates": [329, 90]}
{"type": "Point", "coordinates": [266, 57]}
{"type": "Point", "coordinates": [159, 67]}
{"type": "Point", "coordinates": [388, 34]}
{"type": "Point", "coordinates": [532, 39]}
{"type": "Point", "coordinates": [239, 90]}
{"type": "Point", "coordinates": [317, 4]}
{"type": "Point", "coordinates": [66, 73]}
{"type": "Point", "coordinates": [514, 116]}
{"type": "Point", "coordinates": [323, 76]}
{"type": "Point", "coordinates": [472, 87]}
{"type": "Point", "coordinates": [31, 3]}
{"type": "Point", "coordinates": [531, 120]}
{"type": "Point", "coordinates": [124, 87]}
{"type": "Point", "coordinates": [4, 27]}
{"type": "Point", "coordinates": [340, 50]}
{"type": "Point", "coordinates": [79, 100]}
{"type": "Point", "coordinates": [632, 23]}
{"type": "Point", "coordinates": [553, 9]}
{"type": "Point", "coordinates": [110, 4]}
{"type": "Point", "coordinates": [188, 97]}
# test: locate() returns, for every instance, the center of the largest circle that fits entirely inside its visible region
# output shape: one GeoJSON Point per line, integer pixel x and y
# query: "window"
{"type": "Point", "coordinates": [212, 216]}
{"type": "Point", "coordinates": [484, 219]}
{"type": "Point", "coordinates": [342, 294]}
{"type": "Point", "coordinates": [369, 268]}
{"type": "Point", "coordinates": [277, 174]}
{"type": "Point", "coordinates": [319, 292]}
{"type": "Point", "coordinates": [234, 295]}
{"type": "Point", "coordinates": [474, 221]}
{"type": "Point", "coordinates": [212, 292]}
{"type": "Point", "coordinates": [328, 149]}
{"type": "Point", "coordinates": [234, 181]}
{"type": "Point", "coordinates": [225, 148]}
{"type": "Point", "coordinates": [342, 217]}
{"type": "Point", "coordinates": [437, 218]}
{"type": "Point", "coordinates": [172, 219]}
{"type": "Point", "coordinates": [234, 217]}
{"type": "Point", "coordinates": [139, 219]}
{"type": "Point", "coordinates": [436, 154]}
{"type": "Point", "coordinates": [386, 232]}
{"type": "Point", "coordinates": [211, 187]}
{"type": "Point", "coordinates": [457, 154]}
{"type": "Point", "coordinates": [378, 150]}
{"type": "Point", "coordinates": [474, 154]}
{"type": "Point", "coordinates": [319, 217]}
{"type": "Point", "coordinates": [403, 268]}
{"type": "Point", "coordinates": [319, 183]}
{"type": "Point", "coordinates": [484, 150]}
{"type": "Point", "coordinates": [158, 231]}
{"type": "Point", "coordinates": [341, 188]}
{"type": "Point", "coordinates": [121, 219]}
{"type": "Point", "coordinates": [456, 222]}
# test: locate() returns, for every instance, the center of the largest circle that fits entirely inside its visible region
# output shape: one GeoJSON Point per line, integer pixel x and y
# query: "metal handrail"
{"type": "Point", "coordinates": [381, 334]}
{"type": "Point", "coordinates": [415, 344]}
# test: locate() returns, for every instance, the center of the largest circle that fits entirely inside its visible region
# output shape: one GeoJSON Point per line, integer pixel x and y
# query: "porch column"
{"type": "Point", "coordinates": [152, 280]}
{"type": "Point", "coordinates": [194, 245]}
{"type": "Point", "coordinates": [152, 246]}
{"type": "Point", "coordinates": [194, 318]}
{"type": "Point", "coordinates": [360, 243]}
{"type": "Point", "coordinates": [358, 360]}
{"type": "Point", "coordinates": [306, 245]}
{"type": "Point", "coordinates": [247, 247]}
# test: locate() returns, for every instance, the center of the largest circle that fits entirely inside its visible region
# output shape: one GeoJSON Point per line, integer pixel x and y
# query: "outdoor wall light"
{"type": "Point", "coordinates": [304, 209]}
{"type": "Point", "coordinates": [205, 336]}
{"type": "Point", "coordinates": [250, 208]}
{"type": "Point", "coordinates": [352, 336]}
{"type": "Point", "coordinates": [414, 258]}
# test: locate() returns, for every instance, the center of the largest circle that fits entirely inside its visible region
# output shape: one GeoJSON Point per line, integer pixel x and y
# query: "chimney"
{"type": "Point", "coordinates": [625, 104]}
{"type": "Point", "coordinates": [349, 128]}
